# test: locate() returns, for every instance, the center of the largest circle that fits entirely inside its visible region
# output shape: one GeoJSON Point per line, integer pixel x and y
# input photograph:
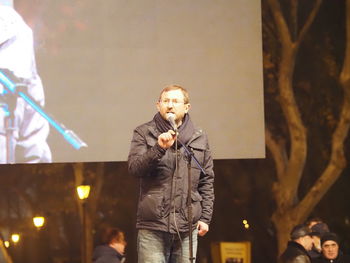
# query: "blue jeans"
{"type": "Point", "coordinates": [162, 247]}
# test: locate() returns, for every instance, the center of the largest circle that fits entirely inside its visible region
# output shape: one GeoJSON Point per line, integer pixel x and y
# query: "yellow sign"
{"type": "Point", "coordinates": [231, 252]}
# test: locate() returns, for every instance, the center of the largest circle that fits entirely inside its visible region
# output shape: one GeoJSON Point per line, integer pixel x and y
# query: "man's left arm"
{"type": "Point", "coordinates": [206, 190]}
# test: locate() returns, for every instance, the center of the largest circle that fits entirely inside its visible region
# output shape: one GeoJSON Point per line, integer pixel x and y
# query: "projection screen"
{"type": "Point", "coordinates": [103, 64]}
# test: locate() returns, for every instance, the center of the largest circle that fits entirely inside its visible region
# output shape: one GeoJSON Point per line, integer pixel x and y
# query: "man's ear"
{"type": "Point", "coordinates": [187, 107]}
{"type": "Point", "coordinates": [158, 105]}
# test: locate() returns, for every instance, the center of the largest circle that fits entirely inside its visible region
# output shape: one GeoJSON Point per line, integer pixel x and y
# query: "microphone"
{"type": "Point", "coordinates": [171, 119]}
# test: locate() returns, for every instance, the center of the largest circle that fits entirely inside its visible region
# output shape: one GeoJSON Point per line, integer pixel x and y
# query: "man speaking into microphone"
{"type": "Point", "coordinates": [159, 155]}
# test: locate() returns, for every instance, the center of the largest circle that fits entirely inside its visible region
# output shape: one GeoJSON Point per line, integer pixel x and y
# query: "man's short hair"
{"type": "Point", "coordinates": [176, 87]}
{"type": "Point", "coordinates": [314, 220]}
{"type": "Point", "coordinates": [113, 234]}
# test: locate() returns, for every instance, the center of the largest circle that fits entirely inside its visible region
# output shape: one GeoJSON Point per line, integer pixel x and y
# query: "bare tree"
{"type": "Point", "coordinates": [290, 157]}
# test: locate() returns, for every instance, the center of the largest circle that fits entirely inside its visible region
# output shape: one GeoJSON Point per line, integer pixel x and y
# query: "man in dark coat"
{"type": "Point", "coordinates": [297, 248]}
{"type": "Point", "coordinates": [330, 250]}
{"type": "Point", "coordinates": [112, 250]}
{"type": "Point", "coordinates": [157, 156]}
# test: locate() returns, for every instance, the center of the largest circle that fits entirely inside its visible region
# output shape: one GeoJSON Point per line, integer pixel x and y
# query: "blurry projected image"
{"type": "Point", "coordinates": [23, 130]}
{"type": "Point", "coordinates": [76, 77]}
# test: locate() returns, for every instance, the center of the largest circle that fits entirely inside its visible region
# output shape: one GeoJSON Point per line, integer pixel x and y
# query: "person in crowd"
{"type": "Point", "coordinates": [313, 221]}
{"type": "Point", "coordinates": [317, 230]}
{"type": "Point", "coordinates": [331, 252]}
{"type": "Point", "coordinates": [113, 248]}
{"type": "Point", "coordinates": [23, 131]}
{"type": "Point", "coordinates": [298, 246]}
{"type": "Point", "coordinates": [157, 156]}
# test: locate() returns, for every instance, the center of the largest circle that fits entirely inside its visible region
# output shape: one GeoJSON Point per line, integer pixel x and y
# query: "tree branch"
{"type": "Point", "coordinates": [309, 21]}
{"type": "Point", "coordinates": [294, 18]}
{"type": "Point", "coordinates": [337, 159]}
{"type": "Point", "coordinates": [281, 24]}
{"type": "Point", "coordinates": [278, 153]}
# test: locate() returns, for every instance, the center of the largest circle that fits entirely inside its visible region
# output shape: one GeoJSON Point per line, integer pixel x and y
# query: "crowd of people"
{"type": "Point", "coordinates": [313, 242]}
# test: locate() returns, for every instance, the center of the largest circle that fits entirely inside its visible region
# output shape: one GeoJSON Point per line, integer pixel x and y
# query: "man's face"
{"type": "Point", "coordinates": [307, 242]}
{"type": "Point", "coordinates": [120, 247]}
{"type": "Point", "coordinates": [172, 102]}
{"type": "Point", "coordinates": [330, 249]}
{"type": "Point", "coordinates": [317, 243]}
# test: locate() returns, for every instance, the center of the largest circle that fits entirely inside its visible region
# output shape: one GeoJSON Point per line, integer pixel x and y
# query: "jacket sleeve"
{"type": "Point", "coordinates": [143, 157]}
{"type": "Point", "coordinates": [206, 186]}
{"type": "Point", "coordinates": [301, 259]}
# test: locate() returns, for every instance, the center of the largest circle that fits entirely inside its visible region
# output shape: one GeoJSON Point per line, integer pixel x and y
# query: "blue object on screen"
{"type": "Point", "coordinates": [12, 88]}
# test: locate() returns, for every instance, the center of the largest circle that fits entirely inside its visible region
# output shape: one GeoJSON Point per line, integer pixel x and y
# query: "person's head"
{"type": "Point", "coordinates": [313, 221]}
{"type": "Point", "coordinates": [330, 245]}
{"type": "Point", "coordinates": [115, 238]}
{"type": "Point", "coordinates": [317, 230]}
{"type": "Point", "coordinates": [173, 100]}
{"type": "Point", "coordinates": [302, 234]}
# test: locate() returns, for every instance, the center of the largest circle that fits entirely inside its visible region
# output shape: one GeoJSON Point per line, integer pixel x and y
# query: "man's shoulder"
{"type": "Point", "coordinates": [296, 258]}
{"type": "Point", "coordinates": [295, 253]}
{"type": "Point", "coordinates": [146, 126]}
{"type": "Point", "coordinates": [199, 136]}
{"type": "Point", "coordinates": [302, 259]}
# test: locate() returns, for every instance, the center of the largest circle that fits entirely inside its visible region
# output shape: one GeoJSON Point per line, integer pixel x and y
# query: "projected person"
{"type": "Point", "coordinates": [161, 165]}
{"type": "Point", "coordinates": [23, 131]}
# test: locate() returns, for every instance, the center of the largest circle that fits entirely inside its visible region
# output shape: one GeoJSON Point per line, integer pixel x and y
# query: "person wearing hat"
{"type": "Point", "coordinates": [317, 230]}
{"type": "Point", "coordinates": [330, 250]}
{"type": "Point", "coordinates": [297, 248]}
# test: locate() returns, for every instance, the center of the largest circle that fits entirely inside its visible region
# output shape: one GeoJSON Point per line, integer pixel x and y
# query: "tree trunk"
{"type": "Point", "coordinates": [95, 179]}
{"type": "Point", "coordinates": [289, 169]}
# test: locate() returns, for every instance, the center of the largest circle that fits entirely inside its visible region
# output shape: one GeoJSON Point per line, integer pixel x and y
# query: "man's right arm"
{"type": "Point", "coordinates": [143, 157]}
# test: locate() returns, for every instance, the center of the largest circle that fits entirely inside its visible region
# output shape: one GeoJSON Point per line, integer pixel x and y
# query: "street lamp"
{"type": "Point", "coordinates": [15, 238]}
{"type": "Point", "coordinates": [38, 221]}
{"type": "Point", "coordinates": [7, 243]}
{"type": "Point", "coordinates": [83, 193]}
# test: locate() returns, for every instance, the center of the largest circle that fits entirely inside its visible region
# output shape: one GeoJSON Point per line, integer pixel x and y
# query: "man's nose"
{"type": "Point", "coordinates": [170, 105]}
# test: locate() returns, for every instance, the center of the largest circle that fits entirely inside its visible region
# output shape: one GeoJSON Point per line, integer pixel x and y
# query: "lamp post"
{"type": "Point", "coordinates": [38, 222]}
{"type": "Point", "coordinates": [17, 248]}
{"type": "Point", "coordinates": [83, 193]}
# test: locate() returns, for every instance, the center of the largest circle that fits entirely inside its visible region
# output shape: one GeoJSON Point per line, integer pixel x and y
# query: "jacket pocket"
{"type": "Point", "coordinates": [151, 206]}
{"type": "Point", "coordinates": [196, 207]}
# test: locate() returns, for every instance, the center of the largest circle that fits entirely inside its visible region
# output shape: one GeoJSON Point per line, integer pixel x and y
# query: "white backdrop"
{"type": "Point", "coordinates": [103, 64]}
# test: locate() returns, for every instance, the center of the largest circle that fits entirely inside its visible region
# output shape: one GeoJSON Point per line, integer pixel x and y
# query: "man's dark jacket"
{"type": "Point", "coordinates": [162, 192]}
{"type": "Point", "coordinates": [340, 259]}
{"type": "Point", "coordinates": [106, 254]}
{"type": "Point", "coordinates": [295, 253]}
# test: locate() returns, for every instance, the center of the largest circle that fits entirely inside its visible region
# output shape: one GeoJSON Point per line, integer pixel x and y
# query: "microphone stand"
{"type": "Point", "coordinates": [190, 157]}
{"type": "Point", "coordinates": [19, 91]}
{"type": "Point", "coordinates": [189, 208]}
